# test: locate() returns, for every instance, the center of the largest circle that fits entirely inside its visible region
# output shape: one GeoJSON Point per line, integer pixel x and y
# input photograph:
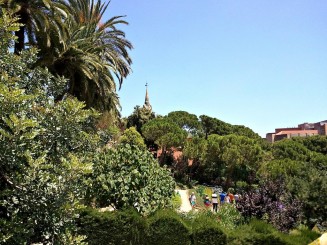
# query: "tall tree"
{"type": "Point", "coordinates": [232, 156]}
{"type": "Point", "coordinates": [185, 120]}
{"type": "Point", "coordinates": [91, 55]}
{"type": "Point", "coordinates": [165, 134]}
{"type": "Point", "coordinates": [37, 18]}
{"type": "Point", "coordinates": [212, 125]}
{"type": "Point", "coordinates": [139, 117]}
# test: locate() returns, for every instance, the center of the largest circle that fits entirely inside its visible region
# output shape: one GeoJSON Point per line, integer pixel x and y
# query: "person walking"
{"type": "Point", "coordinates": [193, 200]}
{"type": "Point", "coordinates": [222, 196]}
{"type": "Point", "coordinates": [207, 201]}
{"type": "Point", "coordinates": [214, 201]}
{"type": "Point", "coordinates": [231, 197]}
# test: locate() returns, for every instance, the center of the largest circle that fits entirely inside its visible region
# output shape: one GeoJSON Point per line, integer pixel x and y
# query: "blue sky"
{"type": "Point", "coordinates": [262, 64]}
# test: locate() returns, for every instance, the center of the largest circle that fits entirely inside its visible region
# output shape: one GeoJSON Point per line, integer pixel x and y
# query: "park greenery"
{"type": "Point", "coordinates": [66, 151]}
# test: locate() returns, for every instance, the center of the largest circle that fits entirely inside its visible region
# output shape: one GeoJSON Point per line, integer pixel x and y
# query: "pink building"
{"type": "Point", "coordinates": [303, 130]}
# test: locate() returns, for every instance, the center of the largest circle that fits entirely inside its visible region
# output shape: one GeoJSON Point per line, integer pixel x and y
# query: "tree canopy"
{"type": "Point", "coordinates": [185, 120]}
{"type": "Point", "coordinates": [75, 42]}
{"type": "Point", "coordinates": [164, 133]}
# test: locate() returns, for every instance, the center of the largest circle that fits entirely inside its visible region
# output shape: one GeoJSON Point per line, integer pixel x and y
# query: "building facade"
{"type": "Point", "coordinates": [302, 130]}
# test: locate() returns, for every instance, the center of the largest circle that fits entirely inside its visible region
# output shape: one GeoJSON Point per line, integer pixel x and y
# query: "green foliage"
{"type": "Point", "coordinates": [194, 148]}
{"type": "Point", "coordinates": [185, 120]}
{"type": "Point", "coordinates": [229, 217]}
{"type": "Point", "coordinates": [260, 232]}
{"type": "Point", "coordinates": [75, 42]}
{"type": "Point", "coordinates": [139, 117]}
{"type": "Point", "coordinates": [45, 153]}
{"type": "Point", "coordinates": [164, 133]}
{"type": "Point", "coordinates": [241, 186]}
{"type": "Point", "coordinates": [127, 176]}
{"type": "Point", "coordinates": [304, 171]}
{"type": "Point", "coordinates": [256, 233]}
{"type": "Point", "coordinates": [301, 235]}
{"type": "Point", "coordinates": [8, 24]}
{"type": "Point", "coordinates": [290, 149]}
{"type": "Point", "coordinates": [317, 143]}
{"type": "Point", "coordinates": [105, 228]}
{"type": "Point", "coordinates": [231, 156]}
{"type": "Point", "coordinates": [132, 137]}
{"type": "Point", "coordinates": [205, 230]}
{"type": "Point", "coordinates": [212, 125]}
{"type": "Point", "coordinates": [281, 168]}
{"type": "Point", "coordinates": [37, 18]}
{"type": "Point", "coordinates": [167, 228]}
{"type": "Point", "coordinates": [176, 200]}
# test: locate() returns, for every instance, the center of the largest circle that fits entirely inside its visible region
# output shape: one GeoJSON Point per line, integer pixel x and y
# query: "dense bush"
{"type": "Point", "coordinates": [259, 232]}
{"type": "Point", "coordinates": [229, 217]}
{"type": "Point", "coordinates": [176, 200]}
{"type": "Point", "coordinates": [255, 233]}
{"type": "Point", "coordinates": [122, 227]}
{"type": "Point", "coordinates": [205, 230]}
{"type": "Point", "coordinates": [127, 176]}
{"type": "Point", "coordinates": [270, 201]}
{"type": "Point", "coordinates": [167, 228]}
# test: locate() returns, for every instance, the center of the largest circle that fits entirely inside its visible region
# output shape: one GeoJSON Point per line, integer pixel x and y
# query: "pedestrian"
{"type": "Point", "coordinates": [231, 197]}
{"type": "Point", "coordinates": [214, 201]}
{"type": "Point", "coordinates": [227, 199]}
{"type": "Point", "coordinates": [192, 200]}
{"type": "Point", "coordinates": [206, 201]}
{"type": "Point", "coordinates": [222, 196]}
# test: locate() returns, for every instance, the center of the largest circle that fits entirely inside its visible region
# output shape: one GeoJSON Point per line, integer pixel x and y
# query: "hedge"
{"type": "Point", "coordinates": [206, 231]}
{"type": "Point", "coordinates": [259, 232]}
{"type": "Point", "coordinates": [246, 235]}
{"type": "Point", "coordinates": [167, 228]}
{"type": "Point", "coordinates": [123, 227]}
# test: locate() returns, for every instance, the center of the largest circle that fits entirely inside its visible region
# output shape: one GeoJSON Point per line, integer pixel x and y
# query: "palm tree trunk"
{"type": "Point", "coordinates": [20, 34]}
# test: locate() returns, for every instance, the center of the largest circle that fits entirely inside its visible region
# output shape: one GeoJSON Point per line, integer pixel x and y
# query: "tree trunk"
{"type": "Point", "coordinates": [20, 34]}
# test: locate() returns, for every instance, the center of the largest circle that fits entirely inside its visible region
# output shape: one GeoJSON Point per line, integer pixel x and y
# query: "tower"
{"type": "Point", "coordinates": [147, 101]}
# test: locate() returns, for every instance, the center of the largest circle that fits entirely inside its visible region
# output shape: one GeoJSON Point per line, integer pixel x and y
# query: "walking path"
{"type": "Point", "coordinates": [185, 206]}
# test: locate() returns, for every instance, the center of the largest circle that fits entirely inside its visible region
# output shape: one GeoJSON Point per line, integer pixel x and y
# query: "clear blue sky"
{"type": "Point", "coordinates": [258, 63]}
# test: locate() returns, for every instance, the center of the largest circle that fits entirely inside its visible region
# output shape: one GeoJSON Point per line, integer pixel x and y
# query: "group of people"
{"type": "Point", "coordinates": [216, 199]}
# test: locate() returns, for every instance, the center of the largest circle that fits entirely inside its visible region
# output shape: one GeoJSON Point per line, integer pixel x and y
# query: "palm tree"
{"type": "Point", "coordinates": [37, 18]}
{"type": "Point", "coordinates": [90, 55]}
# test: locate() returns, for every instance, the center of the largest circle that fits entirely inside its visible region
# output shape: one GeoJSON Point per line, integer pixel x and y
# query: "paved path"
{"type": "Point", "coordinates": [186, 206]}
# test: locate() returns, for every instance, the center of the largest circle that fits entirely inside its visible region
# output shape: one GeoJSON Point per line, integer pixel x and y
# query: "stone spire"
{"type": "Point", "coordinates": [147, 101]}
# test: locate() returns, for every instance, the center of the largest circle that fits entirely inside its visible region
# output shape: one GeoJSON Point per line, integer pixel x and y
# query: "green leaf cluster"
{"type": "Point", "coordinates": [128, 176]}
{"type": "Point", "coordinates": [132, 137]}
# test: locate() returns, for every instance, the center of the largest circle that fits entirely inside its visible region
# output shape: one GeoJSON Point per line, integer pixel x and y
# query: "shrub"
{"type": "Point", "coordinates": [229, 217]}
{"type": "Point", "coordinates": [176, 200]}
{"type": "Point", "coordinates": [270, 201]}
{"type": "Point", "coordinates": [256, 233]}
{"type": "Point", "coordinates": [127, 176]}
{"type": "Point", "coordinates": [120, 227]}
{"type": "Point", "coordinates": [205, 230]}
{"type": "Point", "coordinates": [167, 228]}
{"type": "Point", "coordinates": [301, 235]}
